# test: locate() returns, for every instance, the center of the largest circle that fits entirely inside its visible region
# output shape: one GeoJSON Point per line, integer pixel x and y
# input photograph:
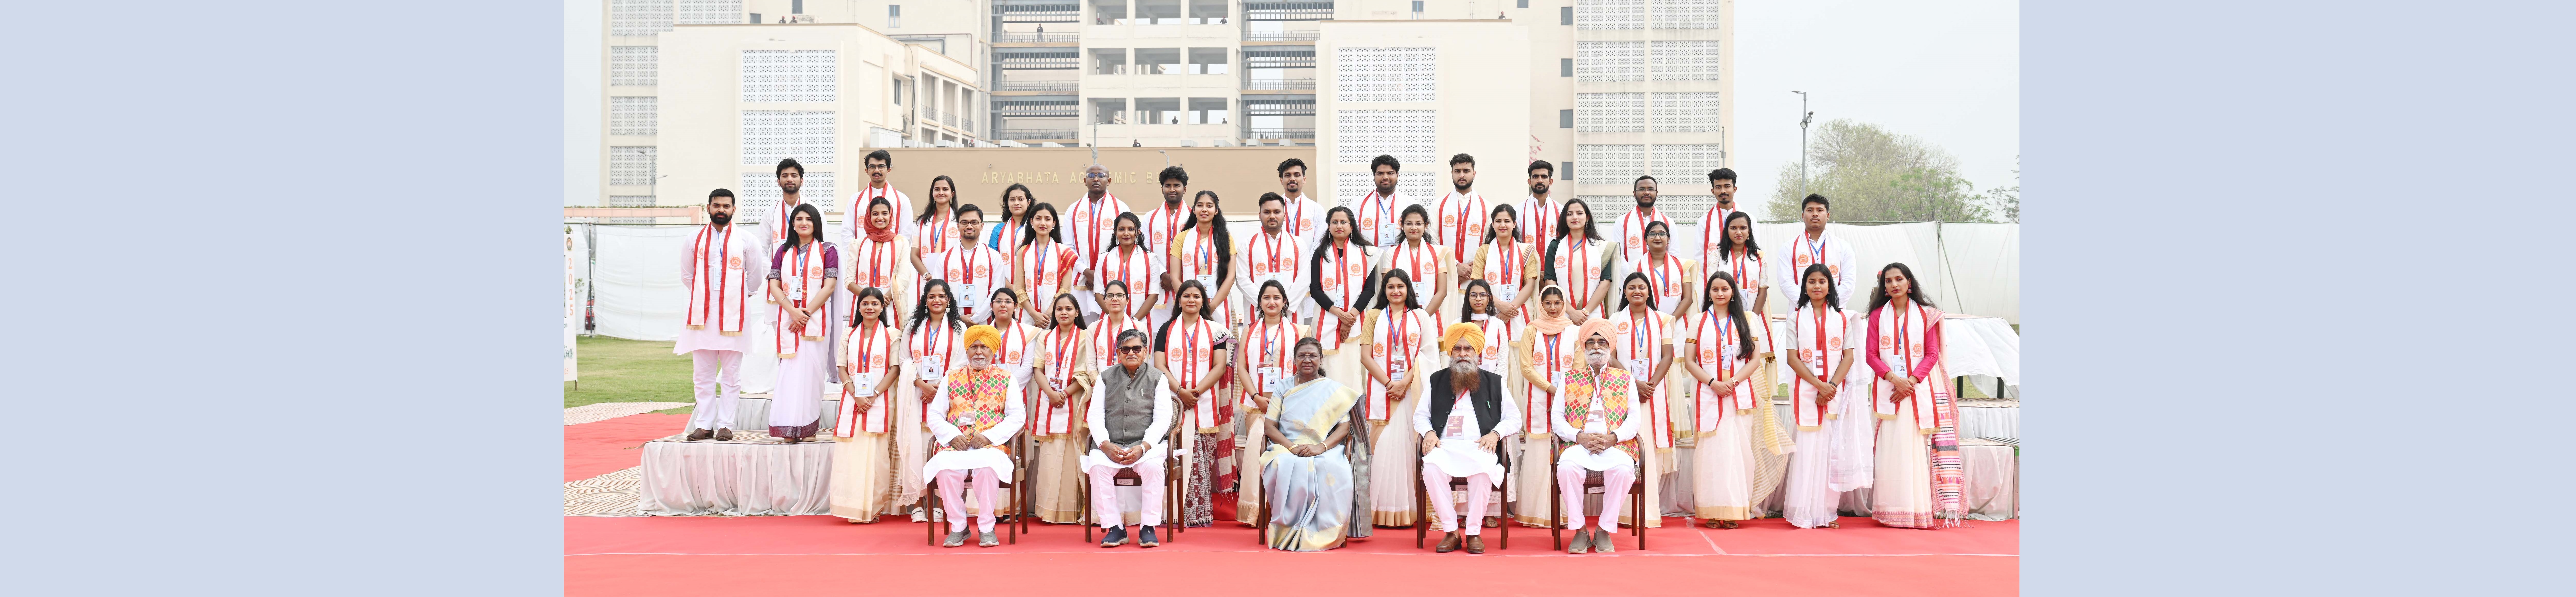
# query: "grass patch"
{"type": "Point", "coordinates": [619, 370]}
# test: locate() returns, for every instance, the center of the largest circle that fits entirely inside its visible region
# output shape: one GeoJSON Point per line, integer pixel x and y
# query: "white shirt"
{"type": "Point", "coordinates": [1575, 452]}
{"type": "Point", "coordinates": [1458, 454]}
{"type": "Point", "coordinates": [1801, 252]}
{"type": "Point", "coordinates": [1259, 256]}
{"type": "Point", "coordinates": [974, 264]}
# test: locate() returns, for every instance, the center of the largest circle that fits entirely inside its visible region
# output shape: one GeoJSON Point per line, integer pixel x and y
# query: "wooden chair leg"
{"type": "Point", "coordinates": [930, 508]}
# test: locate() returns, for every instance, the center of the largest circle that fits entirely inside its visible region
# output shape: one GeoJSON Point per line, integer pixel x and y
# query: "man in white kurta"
{"type": "Point", "coordinates": [1458, 218]}
{"type": "Point", "coordinates": [1711, 230]}
{"type": "Point", "coordinates": [1305, 214]}
{"type": "Point", "coordinates": [976, 411]}
{"type": "Point", "coordinates": [971, 269]}
{"type": "Point", "coordinates": [1814, 245]}
{"type": "Point", "coordinates": [1539, 211]}
{"type": "Point", "coordinates": [1599, 416]}
{"type": "Point", "coordinates": [1273, 254]}
{"type": "Point", "coordinates": [1089, 225]}
{"type": "Point", "coordinates": [1632, 225]}
{"type": "Point", "coordinates": [723, 270]}
{"type": "Point", "coordinates": [1131, 422]}
{"type": "Point", "coordinates": [1462, 426]}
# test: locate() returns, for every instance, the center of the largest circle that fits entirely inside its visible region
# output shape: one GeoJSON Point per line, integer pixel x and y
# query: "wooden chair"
{"type": "Point", "coordinates": [1591, 485]}
{"type": "Point", "coordinates": [1172, 475]}
{"type": "Point", "coordinates": [1017, 515]}
{"type": "Point", "coordinates": [1422, 508]}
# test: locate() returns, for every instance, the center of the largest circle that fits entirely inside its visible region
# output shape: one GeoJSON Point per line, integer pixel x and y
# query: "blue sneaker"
{"type": "Point", "coordinates": [1145, 538]}
{"type": "Point", "coordinates": [1117, 536]}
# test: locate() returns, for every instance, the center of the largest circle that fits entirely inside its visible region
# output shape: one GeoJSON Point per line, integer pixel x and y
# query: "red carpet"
{"type": "Point", "coordinates": [650, 556]}
{"type": "Point", "coordinates": [603, 447]}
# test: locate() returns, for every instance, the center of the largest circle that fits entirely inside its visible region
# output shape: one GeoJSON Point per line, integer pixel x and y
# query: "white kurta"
{"type": "Point", "coordinates": [1157, 434]}
{"type": "Point", "coordinates": [1091, 226]}
{"type": "Point", "coordinates": [1837, 257]}
{"type": "Point", "coordinates": [973, 265]}
{"type": "Point", "coordinates": [1597, 422]}
{"type": "Point", "coordinates": [1669, 279]}
{"type": "Point", "coordinates": [750, 250]}
{"type": "Point", "coordinates": [942, 429]}
{"type": "Point", "coordinates": [1458, 454]}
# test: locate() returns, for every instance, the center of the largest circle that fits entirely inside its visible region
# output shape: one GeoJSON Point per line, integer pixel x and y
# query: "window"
{"type": "Point", "coordinates": [898, 91]}
{"type": "Point", "coordinates": [1524, 4]}
{"type": "Point", "coordinates": [1565, 119]}
{"type": "Point", "coordinates": [638, 17]}
{"type": "Point", "coordinates": [1158, 110]}
{"type": "Point", "coordinates": [790, 76]}
{"type": "Point", "coordinates": [1564, 67]}
{"type": "Point", "coordinates": [1109, 110]}
{"type": "Point", "coordinates": [1207, 61]}
{"type": "Point", "coordinates": [796, 7]}
{"type": "Point", "coordinates": [1158, 61]}
{"type": "Point", "coordinates": [632, 115]}
{"type": "Point", "coordinates": [1109, 12]}
{"type": "Point", "coordinates": [1109, 61]}
{"type": "Point", "coordinates": [1417, 7]}
{"type": "Point", "coordinates": [755, 18]}
{"type": "Point", "coordinates": [1207, 110]}
{"type": "Point", "coordinates": [1158, 12]}
{"type": "Point", "coordinates": [894, 16]}
{"type": "Point", "coordinates": [1565, 15]}
{"type": "Point", "coordinates": [1565, 170]}
{"type": "Point", "coordinates": [630, 165]}
{"type": "Point", "coordinates": [633, 65]}
{"type": "Point", "coordinates": [1207, 12]}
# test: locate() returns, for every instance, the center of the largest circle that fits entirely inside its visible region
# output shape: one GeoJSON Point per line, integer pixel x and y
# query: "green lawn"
{"type": "Point", "coordinates": [615, 370]}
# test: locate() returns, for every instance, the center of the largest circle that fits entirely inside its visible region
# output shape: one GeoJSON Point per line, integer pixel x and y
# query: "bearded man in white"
{"type": "Point", "coordinates": [1461, 425]}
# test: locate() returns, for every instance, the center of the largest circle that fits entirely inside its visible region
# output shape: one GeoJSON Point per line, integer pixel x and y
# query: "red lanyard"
{"type": "Point", "coordinates": [1274, 254]}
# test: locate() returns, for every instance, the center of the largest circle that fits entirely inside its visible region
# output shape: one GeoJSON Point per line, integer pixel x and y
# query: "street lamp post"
{"type": "Point", "coordinates": [1805, 117]}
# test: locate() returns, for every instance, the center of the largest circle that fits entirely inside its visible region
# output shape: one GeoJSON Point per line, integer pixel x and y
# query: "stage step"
{"type": "Point", "coordinates": [754, 474]}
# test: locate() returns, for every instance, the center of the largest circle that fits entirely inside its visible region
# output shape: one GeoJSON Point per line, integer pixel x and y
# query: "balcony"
{"type": "Point", "coordinates": [1037, 85]}
{"type": "Point", "coordinates": [1281, 84]}
{"type": "Point", "coordinates": [1035, 134]}
{"type": "Point", "coordinates": [1280, 133]}
{"type": "Point", "coordinates": [1305, 35]}
{"type": "Point", "coordinates": [1049, 36]}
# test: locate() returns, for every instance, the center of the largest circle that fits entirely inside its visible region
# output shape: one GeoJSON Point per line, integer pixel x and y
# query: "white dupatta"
{"type": "Point", "coordinates": [716, 291]}
{"type": "Point", "coordinates": [802, 274]}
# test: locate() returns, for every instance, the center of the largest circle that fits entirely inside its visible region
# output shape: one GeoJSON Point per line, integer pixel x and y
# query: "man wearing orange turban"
{"type": "Point", "coordinates": [978, 409]}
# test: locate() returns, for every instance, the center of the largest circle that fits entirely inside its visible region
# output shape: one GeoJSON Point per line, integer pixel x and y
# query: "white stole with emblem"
{"type": "Point", "coordinates": [716, 292]}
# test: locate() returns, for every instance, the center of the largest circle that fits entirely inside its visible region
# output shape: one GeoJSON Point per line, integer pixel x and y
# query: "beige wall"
{"type": "Point", "coordinates": [1239, 175]}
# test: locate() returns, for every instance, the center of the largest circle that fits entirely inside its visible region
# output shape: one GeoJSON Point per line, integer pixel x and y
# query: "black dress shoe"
{"type": "Point", "coordinates": [699, 434]}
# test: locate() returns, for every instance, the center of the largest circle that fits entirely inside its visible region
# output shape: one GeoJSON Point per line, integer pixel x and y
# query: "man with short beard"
{"type": "Point", "coordinates": [1712, 225]}
{"type": "Point", "coordinates": [976, 410]}
{"type": "Point", "coordinates": [721, 284]}
{"type": "Point", "coordinates": [1538, 213]}
{"type": "Point", "coordinates": [1462, 426]}
{"type": "Point", "coordinates": [1632, 225]}
{"type": "Point", "coordinates": [1305, 215]}
{"type": "Point", "coordinates": [1459, 217]}
{"type": "Point", "coordinates": [971, 269]}
{"type": "Point", "coordinates": [1592, 415]}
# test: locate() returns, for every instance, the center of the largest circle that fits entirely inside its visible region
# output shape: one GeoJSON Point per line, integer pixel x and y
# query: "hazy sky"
{"type": "Point", "coordinates": [1946, 72]}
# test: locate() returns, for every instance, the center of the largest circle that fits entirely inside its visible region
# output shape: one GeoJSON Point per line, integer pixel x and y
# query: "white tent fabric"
{"type": "Point", "coordinates": [1967, 268]}
{"type": "Point", "coordinates": [637, 277]}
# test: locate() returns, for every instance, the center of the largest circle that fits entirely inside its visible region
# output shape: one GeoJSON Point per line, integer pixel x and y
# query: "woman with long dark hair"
{"type": "Point", "coordinates": [1823, 465]}
{"type": "Point", "coordinates": [1722, 349]}
{"type": "Point", "coordinates": [870, 432]}
{"type": "Point", "coordinates": [1191, 349]}
{"type": "Point", "coordinates": [1065, 372]}
{"type": "Point", "coordinates": [1423, 263]}
{"type": "Point", "coordinates": [1644, 347]}
{"type": "Point", "coordinates": [802, 275]}
{"type": "Point", "coordinates": [1507, 264]}
{"type": "Point", "coordinates": [1204, 252]}
{"type": "Point", "coordinates": [1340, 286]}
{"type": "Point", "coordinates": [1743, 258]}
{"type": "Point", "coordinates": [1264, 364]}
{"type": "Point", "coordinates": [1581, 262]}
{"type": "Point", "coordinates": [1918, 443]}
{"type": "Point", "coordinates": [1133, 265]}
{"type": "Point", "coordinates": [1398, 341]}
{"type": "Point", "coordinates": [1042, 264]}
{"type": "Point", "coordinates": [1006, 235]}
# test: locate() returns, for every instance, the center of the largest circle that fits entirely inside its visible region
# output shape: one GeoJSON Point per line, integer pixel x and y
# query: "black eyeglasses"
{"type": "Point", "coordinates": [1131, 349]}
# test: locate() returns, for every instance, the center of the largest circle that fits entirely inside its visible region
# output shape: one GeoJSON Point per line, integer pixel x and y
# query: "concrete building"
{"type": "Point", "coordinates": [1608, 89]}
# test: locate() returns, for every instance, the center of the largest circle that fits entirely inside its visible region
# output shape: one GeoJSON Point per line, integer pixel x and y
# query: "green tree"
{"type": "Point", "coordinates": [1873, 174]}
{"type": "Point", "coordinates": [2007, 200]}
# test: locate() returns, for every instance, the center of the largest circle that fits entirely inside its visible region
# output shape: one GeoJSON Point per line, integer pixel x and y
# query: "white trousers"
{"type": "Point", "coordinates": [1614, 493]}
{"type": "Point", "coordinates": [1149, 494]}
{"type": "Point", "coordinates": [1435, 483]}
{"type": "Point", "coordinates": [718, 375]}
{"type": "Point", "coordinates": [985, 484]}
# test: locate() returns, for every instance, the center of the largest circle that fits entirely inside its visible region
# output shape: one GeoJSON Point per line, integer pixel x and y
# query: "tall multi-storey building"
{"type": "Point", "coordinates": [1615, 88]}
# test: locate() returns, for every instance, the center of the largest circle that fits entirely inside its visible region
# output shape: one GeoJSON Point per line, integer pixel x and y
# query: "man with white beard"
{"type": "Point", "coordinates": [976, 410]}
{"type": "Point", "coordinates": [1592, 414]}
{"type": "Point", "coordinates": [1462, 425]}
{"type": "Point", "coordinates": [722, 283]}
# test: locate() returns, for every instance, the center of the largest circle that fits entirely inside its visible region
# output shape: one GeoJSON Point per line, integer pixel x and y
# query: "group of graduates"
{"type": "Point", "coordinates": [1336, 366]}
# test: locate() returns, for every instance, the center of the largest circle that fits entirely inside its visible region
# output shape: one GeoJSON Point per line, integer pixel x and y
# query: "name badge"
{"type": "Point", "coordinates": [1505, 292]}
{"type": "Point", "coordinates": [970, 296]}
{"type": "Point", "coordinates": [1207, 281]}
{"type": "Point", "coordinates": [1422, 292]}
{"type": "Point", "coordinates": [1272, 382]}
{"type": "Point", "coordinates": [1638, 366]}
{"type": "Point", "coordinates": [1556, 380]}
{"type": "Point", "coordinates": [928, 366]}
{"type": "Point", "coordinates": [866, 383]}
{"type": "Point", "coordinates": [1257, 281]}
{"type": "Point", "coordinates": [1457, 425]}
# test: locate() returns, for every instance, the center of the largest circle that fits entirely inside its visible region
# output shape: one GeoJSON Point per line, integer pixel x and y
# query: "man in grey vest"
{"type": "Point", "coordinates": [1131, 421]}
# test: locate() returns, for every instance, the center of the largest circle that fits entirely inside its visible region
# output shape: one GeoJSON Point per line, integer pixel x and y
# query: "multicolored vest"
{"type": "Point", "coordinates": [975, 399]}
{"type": "Point", "coordinates": [1613, 386]}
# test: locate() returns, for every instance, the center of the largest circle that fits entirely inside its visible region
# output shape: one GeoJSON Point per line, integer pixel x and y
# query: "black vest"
{"type": "Point", "coordinates": [1487, 401]}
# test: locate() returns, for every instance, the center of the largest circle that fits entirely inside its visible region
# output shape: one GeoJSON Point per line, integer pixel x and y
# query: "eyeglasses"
{"type": "Point", "coordinates": [1115, 295]}
{"type": "Point", "coordinates": [1094, 175]}
{"type": "Point", "coordinates": [1131, 349]}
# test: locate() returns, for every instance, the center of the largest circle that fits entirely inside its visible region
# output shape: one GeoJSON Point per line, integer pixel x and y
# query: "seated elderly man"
{"type": "Point", "coordinates": [1592, 413]}
{"type": "Point", "coordinates": [1461, 425]}
{"type": "Point", "coordinates": [978, 409]}
{"type": "Point", "coordinates": [1131, 419]}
